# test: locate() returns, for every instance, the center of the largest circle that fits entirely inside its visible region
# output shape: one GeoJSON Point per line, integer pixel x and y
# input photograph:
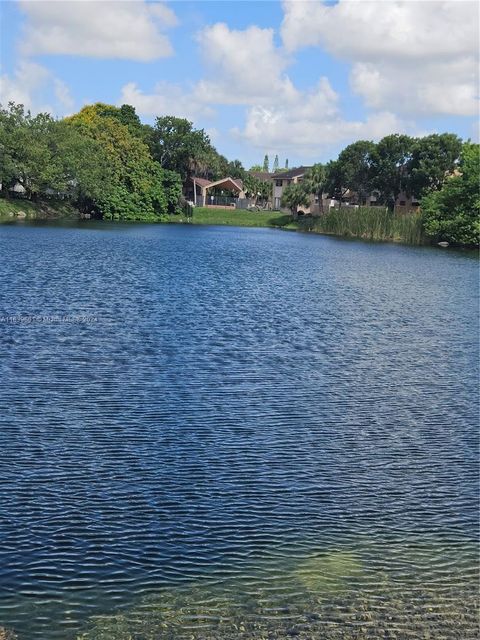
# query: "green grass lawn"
{"type": "Point", "coordinates": [237, 217]}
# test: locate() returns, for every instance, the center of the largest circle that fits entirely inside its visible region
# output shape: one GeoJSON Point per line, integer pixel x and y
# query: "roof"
{"type": "Point", "coordinates": [236, 183]}
{"type": "Point", "coordinates": [291, 173]}
{"type": "Point", "coordinates": [262, 175]}
{"type": "Point", "coordinates": [202, 182]}
{"type": "Point", "coordinates": [228, 182]}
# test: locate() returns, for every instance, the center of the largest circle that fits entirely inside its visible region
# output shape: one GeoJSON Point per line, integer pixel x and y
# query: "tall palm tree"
{"type": "Point", "coordinates": [316, 180]}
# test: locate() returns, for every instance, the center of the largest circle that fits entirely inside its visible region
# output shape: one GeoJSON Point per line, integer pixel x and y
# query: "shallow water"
{"type": "Point", "coordinates": [282, 425]}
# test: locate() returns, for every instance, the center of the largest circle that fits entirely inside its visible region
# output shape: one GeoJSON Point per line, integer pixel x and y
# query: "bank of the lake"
{"type": "Point", "coordinates": [11, 209]}
{"type": "Point", "coordinates": [367, 223]}
{"type": "Point", "coordinates": [238, 218]}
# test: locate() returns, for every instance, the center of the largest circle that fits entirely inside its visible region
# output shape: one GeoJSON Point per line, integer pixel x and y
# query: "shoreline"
{"type": "Point", "coordinates": [12, 211]}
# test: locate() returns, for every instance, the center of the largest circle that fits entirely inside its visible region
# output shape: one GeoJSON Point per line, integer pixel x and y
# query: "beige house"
{"type": "Point", "coordinates": [282, 179]}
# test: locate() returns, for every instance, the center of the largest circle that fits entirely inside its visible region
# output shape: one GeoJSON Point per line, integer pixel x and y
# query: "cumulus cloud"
{"type": "Point", "coordinates": [124, 30]}
{"type": "Point", "coordinates": [313, 125]}
{"type": "Point", "coordinates": [37, 88]}
{"type": "Point", "coordinates": [166, 99]}
{"type": "Point", "coordinates": [245, 67]}
{"type": "Point", "coordinates": [242, 66]}
{"type": "Point", "coordinates": [396, 29]}
{"type": "Point", "coordinates": [449, 89]}
{"type": "Point", "coordinates": [414, 56]}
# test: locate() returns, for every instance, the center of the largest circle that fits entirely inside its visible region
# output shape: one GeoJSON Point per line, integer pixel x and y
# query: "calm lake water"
{"type": "Point", "coordinates": [236, 433]}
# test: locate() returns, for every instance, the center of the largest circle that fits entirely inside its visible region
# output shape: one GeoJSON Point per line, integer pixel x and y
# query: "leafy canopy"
{"type": "Point", "coordinates": [295, 196]}
{"type": "Point", "coordinates": [453, 212]}
{"type": "Point", "coordinates": [134, 190]}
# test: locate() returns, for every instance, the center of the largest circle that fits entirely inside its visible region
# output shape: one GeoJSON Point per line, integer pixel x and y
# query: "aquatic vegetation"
{"type": "Point", "coordinates": [380, 613]}
{"type": "Point", "coordinates": [329, 572]}
{"type": "Point", "coordinates": [370, 223]}
{"type": "Point", "coordinates": [328, 596]}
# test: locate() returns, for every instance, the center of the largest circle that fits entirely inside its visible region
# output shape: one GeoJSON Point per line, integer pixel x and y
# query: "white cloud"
{"type": "Point", "coordinates": [126, 30]}
{"type": "Point", "coordinates": [62, 93]}
{"type": "Point", "coordinates": [414, 56]}
{"type": "Point", "coordinates": [448, 89]}
{"type": "Point", "coordinates": [395, 29]}
{"type": "Point", "coordinates": [19, 87]}
{"type": "Point", "coordinates": [166, 99]}
{"type": "Point", "coordinates": [242, 66]}
{"type": "Point", "coordinates": [246, 68]}
{"type": "Point", "coordinates": [36, 88]}
{"type": "Point", "coordinates": [313, 125]}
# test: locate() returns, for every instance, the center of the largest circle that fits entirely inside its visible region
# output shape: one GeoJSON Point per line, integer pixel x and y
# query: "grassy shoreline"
{"type": "Point", "coordinates": [236, 217]}
{"type": "Point", "coordinates": [369, 223]}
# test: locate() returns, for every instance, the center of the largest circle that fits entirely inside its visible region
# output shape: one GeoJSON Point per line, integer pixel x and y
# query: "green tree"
{"type": "Point", "coordinates": [27, 153]}
{"type": "Point", "coordinates": [252, 187]}
{"type": "Point", "coordinates": [433, 158]}
{"type": "Point", "coordinates": [452, 214]}
{"type": "Point", "coordinates": [294, 196]}
{"type": "Point", "coordinates": [125, 114]}
{"type": "Point", "coordinates": [177, 146]}
{"type": "Point", "coordinates": [135, 187]}
{"type": "Point", "coordinates": [50, 157]}
{"type": "Point", "coordinates": [286, 164]}
{"type": "Point", "coordinates": [266, 164]}
{"type": "Point", "coordinates": [235, 169]}
{"type": "Point", "coordinates": [390, 166]}
{"type": "Point", "coordinates": [86, 169]}
{"type": "Point", "coordinates": [257, 188]}
{"type": "Point", "coordinates": [316, 182]}
{"type": "Point", "coordinates": [275, 164]}
{"type": "Point", "coordinates": [172, 187]}
{"type": "Point", "coordinates": [352, 170]}
{"type": "Point", "coordinates": [256, 167]}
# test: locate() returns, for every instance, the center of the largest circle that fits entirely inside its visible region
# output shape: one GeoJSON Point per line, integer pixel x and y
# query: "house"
{"type": "Point", "coordinates": [282, 179]}
{"type": "Point", "coordinates": [263, 176]}
{"type": "Point", "coordinates": [295, 176]}
{"type": "Point", "coordinates": [403, 204]}
{"type": "Point", "coordinates": [227, 192]}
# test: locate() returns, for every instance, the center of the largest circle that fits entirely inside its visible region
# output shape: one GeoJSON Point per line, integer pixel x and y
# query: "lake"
{"type": "Point", "coordinates": [236, 433]}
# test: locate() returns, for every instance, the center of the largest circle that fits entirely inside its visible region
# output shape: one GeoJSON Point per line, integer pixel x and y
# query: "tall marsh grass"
{"type": "Point", "coordinates": [370, 223]}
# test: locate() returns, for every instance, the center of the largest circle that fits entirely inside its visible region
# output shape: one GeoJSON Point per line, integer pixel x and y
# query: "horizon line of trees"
{"type": "Point", "coordinates": [107, 162]}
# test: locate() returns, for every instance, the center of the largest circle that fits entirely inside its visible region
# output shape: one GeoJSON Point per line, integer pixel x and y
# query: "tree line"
{"type": "Point", "coordinates": [106, 161]}
{"type": "Point", "coordinates": [440, 170]}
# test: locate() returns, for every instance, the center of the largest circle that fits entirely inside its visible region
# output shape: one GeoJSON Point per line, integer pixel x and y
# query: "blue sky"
{"type": "Point", "coordinates": [297, 79]}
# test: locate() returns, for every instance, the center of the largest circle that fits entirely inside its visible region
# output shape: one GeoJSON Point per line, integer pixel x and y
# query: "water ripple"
{"type": "Point", "coordinates": [266, 430]}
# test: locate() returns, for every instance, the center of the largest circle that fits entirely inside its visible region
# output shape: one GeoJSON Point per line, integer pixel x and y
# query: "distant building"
{"type": "Point", "coordinates": [226, 192]}
{"type": "Point", "coordinates": [282, 179]}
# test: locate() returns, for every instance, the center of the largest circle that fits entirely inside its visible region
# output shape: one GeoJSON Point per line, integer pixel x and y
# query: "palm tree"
{"type": "Point", "coordinates": [316, 179]}
{"type": "Point", "coordinates": [294, 196]}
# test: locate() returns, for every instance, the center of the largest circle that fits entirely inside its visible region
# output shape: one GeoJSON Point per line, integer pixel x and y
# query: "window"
{"type": "Point", "coordinates": [278, 183]}
{"type": "Point", "coordinates": [402, 203]}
